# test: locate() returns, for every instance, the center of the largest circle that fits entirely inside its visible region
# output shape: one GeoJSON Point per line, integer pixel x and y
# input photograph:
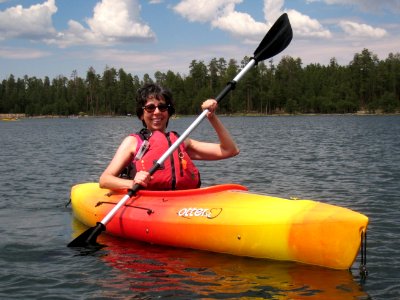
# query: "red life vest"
{"type": "Point", "coordinates": [176, 173]}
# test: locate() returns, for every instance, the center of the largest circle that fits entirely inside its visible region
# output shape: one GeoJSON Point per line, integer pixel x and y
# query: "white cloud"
{"type": "Point", "coordinates": [354, 29]}
{"type": "Point", "coordinates": [31, 23]}
{"type": "Point", "coordinates": [307, 27]}
{"type": "Point", "coordinates": [240, 24]}
{"type": "Point", "coordinates": [222, 15]}
{"type": "Point", "coordinates": [22, 53]}
{"type": "Point", "coordinates": [367, 5]}
{"type": "Point", "coordinates": [118, 19]}
{"type": "Point", "coordinates": [304, 26]}
{"type": "Point", "coordinates": [204, 10]}
{"type": "Point", "coordinates": [273, 9]}
{"type": "Point", "coordinates": [113, 21]}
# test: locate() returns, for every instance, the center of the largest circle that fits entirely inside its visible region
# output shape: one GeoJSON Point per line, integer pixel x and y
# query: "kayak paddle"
{"type": "Point", "coordinates": [275, 41]}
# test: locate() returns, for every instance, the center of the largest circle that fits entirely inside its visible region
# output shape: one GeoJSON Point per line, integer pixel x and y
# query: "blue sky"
{"type": "Point", "coordinates": [53, 37]}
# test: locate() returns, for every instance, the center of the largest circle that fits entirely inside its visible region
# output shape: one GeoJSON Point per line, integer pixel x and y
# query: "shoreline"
{"type": "Point", "coordinates": [17, 116]}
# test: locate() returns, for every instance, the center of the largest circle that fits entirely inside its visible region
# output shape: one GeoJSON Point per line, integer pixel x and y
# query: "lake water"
{"type": "Point", "coordinates": [351, 161]}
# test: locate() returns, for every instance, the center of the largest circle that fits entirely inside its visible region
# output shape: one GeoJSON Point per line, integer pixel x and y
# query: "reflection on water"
{"type": "Point", "coordinates": [153, 271]}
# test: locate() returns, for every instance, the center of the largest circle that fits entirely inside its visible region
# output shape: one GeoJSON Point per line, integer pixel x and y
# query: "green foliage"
{"type": "Point", "coordinates": [367, 83]}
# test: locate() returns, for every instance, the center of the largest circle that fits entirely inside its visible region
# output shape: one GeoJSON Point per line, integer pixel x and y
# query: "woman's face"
{"type": "Point", "coordinates": [155, 114]}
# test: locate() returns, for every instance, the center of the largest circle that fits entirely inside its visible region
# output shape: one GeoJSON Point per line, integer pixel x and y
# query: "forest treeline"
{"type": "Point", "coordinates": [366, 83]}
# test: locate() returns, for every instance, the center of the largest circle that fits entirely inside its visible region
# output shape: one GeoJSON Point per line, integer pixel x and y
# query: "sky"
{"type": "Point", "coordinates": [56, 37]}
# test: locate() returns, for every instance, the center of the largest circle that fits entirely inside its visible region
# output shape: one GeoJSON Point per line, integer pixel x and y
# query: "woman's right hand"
{"type": "Point", "coordinates": [142, 178]}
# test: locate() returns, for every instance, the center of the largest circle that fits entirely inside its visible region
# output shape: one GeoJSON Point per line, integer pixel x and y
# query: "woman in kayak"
{"type": "Point", "coordinates": [140, 151]}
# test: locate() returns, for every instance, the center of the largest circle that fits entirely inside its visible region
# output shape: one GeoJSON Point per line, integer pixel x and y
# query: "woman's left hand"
{"type": "Point", "coordinates": [211, 105]}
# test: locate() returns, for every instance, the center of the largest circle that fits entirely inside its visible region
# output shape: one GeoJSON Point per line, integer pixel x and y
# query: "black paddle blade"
{"type": "Point", "coordinates": [276, 39]}
{"type": "Point", "coordinates": [88, 238]}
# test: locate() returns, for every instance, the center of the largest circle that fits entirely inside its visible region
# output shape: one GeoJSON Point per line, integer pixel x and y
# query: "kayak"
{"type": "Point", "coordinates": [9, 119]}
{"type": "Point", "coordinates": [229, 219]}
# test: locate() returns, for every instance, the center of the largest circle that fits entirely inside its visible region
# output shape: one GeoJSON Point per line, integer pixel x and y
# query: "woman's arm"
{"type": "Point", "coordinates": [109, 178]}
{"type": "Point", "coordinates": [213, 151]}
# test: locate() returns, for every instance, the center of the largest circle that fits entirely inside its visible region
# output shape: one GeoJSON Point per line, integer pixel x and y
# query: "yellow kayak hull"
{"type": "Point", "coordinates": [229, 219]}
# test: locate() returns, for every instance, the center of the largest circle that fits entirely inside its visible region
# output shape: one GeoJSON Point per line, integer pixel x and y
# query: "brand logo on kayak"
{"type": "Point", "coordinates": [209, 213]}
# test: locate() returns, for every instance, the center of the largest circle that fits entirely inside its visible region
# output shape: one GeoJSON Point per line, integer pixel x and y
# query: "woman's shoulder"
{"type": "Point", "coordinates": [130, 141]}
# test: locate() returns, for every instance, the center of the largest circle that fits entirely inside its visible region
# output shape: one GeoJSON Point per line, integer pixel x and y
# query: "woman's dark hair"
{"type": "Point", "coordinates": [153, 90]}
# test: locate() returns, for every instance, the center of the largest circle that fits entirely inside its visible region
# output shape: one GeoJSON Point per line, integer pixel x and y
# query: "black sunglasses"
{"type": "Point", "coordinates": [150, 108]}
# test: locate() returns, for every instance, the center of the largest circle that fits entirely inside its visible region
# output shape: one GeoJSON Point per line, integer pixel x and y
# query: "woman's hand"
{"type": "Point", "coordinates": [142, 178]}
{"type": "Point", "coordinates": [211, 105]}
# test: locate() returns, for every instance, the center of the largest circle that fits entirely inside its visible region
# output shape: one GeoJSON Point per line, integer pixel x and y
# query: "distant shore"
{"type": "Point", "coordinates": [17, 116]}
{"type": "Point", "coordinates": [12, 116]}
